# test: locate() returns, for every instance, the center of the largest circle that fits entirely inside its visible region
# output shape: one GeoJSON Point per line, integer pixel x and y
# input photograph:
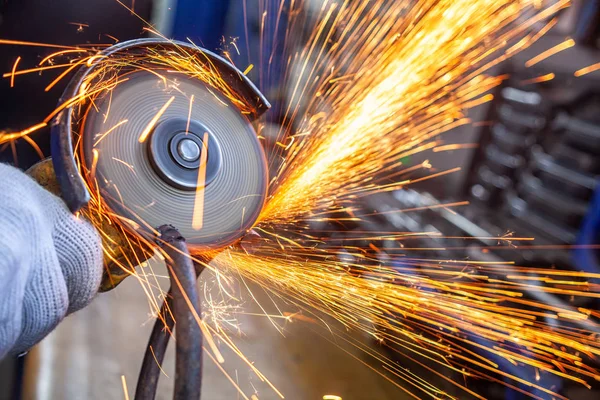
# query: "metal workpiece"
{"type": "Point", "coordinates": [154, 356]}
{"type": "Point", "coordinates": [182, 305]}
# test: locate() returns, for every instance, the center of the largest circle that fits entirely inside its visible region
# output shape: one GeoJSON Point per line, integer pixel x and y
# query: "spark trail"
{"type": "Point", "coordinates": [413, 70]}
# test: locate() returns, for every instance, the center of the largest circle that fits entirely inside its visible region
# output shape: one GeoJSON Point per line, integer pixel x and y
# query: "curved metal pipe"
{"type": "Point", "coordinates": [182, 303]}
{"type": "Point", "coordinates": [155, 352]}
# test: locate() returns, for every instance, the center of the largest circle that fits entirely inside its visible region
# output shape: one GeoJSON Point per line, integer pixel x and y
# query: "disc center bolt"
{"type": "Point", "coordinates": [188, 150]}
{"type": "Point", "coordinates": [175, 151]}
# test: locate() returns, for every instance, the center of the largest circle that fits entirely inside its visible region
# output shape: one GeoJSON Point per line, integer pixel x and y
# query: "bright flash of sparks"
{"type": "Point", "coordinates": [439, 311]}
{"type": "Point", "coordinates": [412, 74]}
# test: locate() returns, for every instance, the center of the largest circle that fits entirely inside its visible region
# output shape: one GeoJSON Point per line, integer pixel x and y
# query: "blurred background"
{"type": "Point", "coordinates": [531, 167]}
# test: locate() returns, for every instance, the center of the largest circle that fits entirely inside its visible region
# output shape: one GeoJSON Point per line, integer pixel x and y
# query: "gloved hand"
{"type": "Point", "coordinates": [50, 261]}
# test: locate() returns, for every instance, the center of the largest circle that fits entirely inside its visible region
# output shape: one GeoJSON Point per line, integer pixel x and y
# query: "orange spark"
{"type": "Point", "coordinates": [63, 74]}
{"type": "Point", "coordinates": [37, 69]}
{"type": "Point", "coordinates": [14, 68]}
{"type": "Point", "coordinates": [94, 163]}
{"type": "Point", "coordinates": [539, 79]}
{"type": "Point", "coordinates": [198, 216]}
{"type": "Point", "coordinates": [458, 146]}
{"type": "Point", "coordinates": [158, 363]}
{"type": "Point", "coordinates": [12, 136]}
{"type": "Point", "coordinates": [587, 70]}
{"type": "Point", "coordinates": [109, 131]}
{"type": "Point", "coordinates": [550, 52]}
{"type": "Point", "coordinates": [124, 383]}
{"type": "Point", "coordinates": [187, 125]}
{"type": "Point", "coordinates": [36, 44]}
{"type": "Point", "coordinates": [35, 146]}
{"type": "Point", "coordinates": [154, 120]}
{"type": "Point", "coordinates": [58, 53]}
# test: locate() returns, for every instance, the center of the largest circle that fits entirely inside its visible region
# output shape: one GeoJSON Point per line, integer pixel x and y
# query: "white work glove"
{"type": "Point", "coordinates": [50, 261]}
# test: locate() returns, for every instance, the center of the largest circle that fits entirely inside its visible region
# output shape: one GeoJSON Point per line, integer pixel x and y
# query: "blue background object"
{"type": "Point", "coordinates": [202, 21]}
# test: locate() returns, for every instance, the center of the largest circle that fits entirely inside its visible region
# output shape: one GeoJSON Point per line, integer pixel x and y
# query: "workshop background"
{"type": "Point", "coordinates": [534, 171]}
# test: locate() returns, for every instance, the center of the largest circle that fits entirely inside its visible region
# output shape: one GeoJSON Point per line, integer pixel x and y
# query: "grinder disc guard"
{"type": "Point", "coordinates": [155, 181]}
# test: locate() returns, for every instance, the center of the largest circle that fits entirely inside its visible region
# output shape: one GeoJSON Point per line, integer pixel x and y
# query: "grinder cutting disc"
{"type": "Point", "coordinates": [154, 180]}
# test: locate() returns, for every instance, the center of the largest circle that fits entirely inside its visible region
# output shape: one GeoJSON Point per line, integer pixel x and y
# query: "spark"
{"type": "Point", "coordinates": [83, 95]}
{"type": "Point", "coordinates": [37, 69]}
{"type": "Point", "coordinates": [450, 147]}
{"type": "Point", "coordinates": [93, 59]}
{"type": "Point", "coordinates": [392, 105]}
{"type": "Point", "coordinates": [198, 215]}
{"type": "Point", "coordinates": [587, 70]}
{"type": "Point", "coordinates": [12, 74]}
{"type": "Point", "coordinates": [158, 363]}
{"type": "Point", "coordinates": [109, 131]}
{"type": "Point", "coordinates": [13, 148]}
{"type": "Point", "coordinates": [539, 79]}
{"type": "Point", "coordinates": [35, 44]}
{"type": "Point", "coordinates": [187, 125]}
{"type": "Point", "coordinates": [124, 163]}
{"type": "Point", "coordinates": [95, 155]}
{"type": "Point", "coordinates": [59, 53]}
{"type": "Point", "coordinates": [237, 50]}
{"type": "Point", "coordinates": [79, 24]}
{"type": "Point", "coordinates": [8, 137]}
{"type": "Point", "coordinates": [64, 73]}
{"type": "Point", "coordinates": [125, 390]}
{"type": "Point", "coordinates": [550, 52]}
{"type": "Point", "coordinates": [35, 146]}
{"type": "Point", "coordinates": [111, 37]}
{"type": "Point", "coordinates": [248, 69]}
{"type": "Point", "coordinates": [154, 120]}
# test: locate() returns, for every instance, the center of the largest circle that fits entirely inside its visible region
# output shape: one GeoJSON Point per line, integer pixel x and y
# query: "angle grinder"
{"type": "Point", "coordinates": [145, 182]}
